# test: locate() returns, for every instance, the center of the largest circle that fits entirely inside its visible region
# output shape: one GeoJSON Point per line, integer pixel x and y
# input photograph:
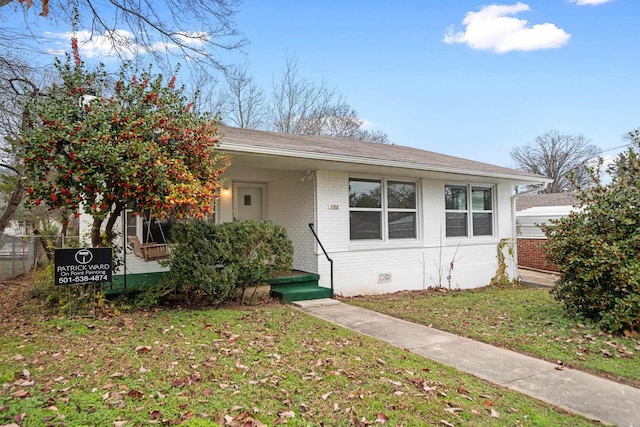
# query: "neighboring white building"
{"type": "Point", "coordinates": [391, 217]}
{"type": "Point", "coordinates": [535, 210]}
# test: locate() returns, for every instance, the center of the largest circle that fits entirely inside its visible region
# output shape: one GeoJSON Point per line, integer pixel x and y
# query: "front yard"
{"type": "Point", "coordinates": [520, 318]}
{"type": "Point", "coordinates": [250, 366]}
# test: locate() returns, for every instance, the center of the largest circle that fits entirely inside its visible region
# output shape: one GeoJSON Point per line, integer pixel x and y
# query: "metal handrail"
{"type": "Point", "coordinates": [325, 254]}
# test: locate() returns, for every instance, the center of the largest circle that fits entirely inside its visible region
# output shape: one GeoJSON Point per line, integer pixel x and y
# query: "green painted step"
{"type": "Point", "coordinates": [294, 277]}
{"type": "Point", "coordinates": [298, 286]}
{"type": "Point", "coordinates": [300, 293]}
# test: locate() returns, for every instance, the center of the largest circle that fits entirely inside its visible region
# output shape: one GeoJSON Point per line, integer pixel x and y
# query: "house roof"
{"type": "Point", "coordinates": [546, 200]}
{"type": "Point", "coordinates": [313, 152]}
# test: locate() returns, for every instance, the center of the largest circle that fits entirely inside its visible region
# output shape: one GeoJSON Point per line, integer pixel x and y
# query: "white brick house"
{"type": "Point", "coordinates": [390, 217]}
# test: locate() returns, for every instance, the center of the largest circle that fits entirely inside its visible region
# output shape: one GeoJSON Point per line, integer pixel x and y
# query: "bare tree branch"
{"type": "Point", "coordinates": [198, 31]}
{"type": "Point", "coordinates": [557, 155]}
{"type": "Point", "coordinates": [243, 104]}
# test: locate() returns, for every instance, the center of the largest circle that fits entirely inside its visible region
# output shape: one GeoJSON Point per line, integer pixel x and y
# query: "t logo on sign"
{"type": "Point", "coordinates": [83, 256]}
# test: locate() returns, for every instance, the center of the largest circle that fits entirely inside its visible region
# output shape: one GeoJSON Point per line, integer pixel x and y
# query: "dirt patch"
{"type": "Point", "coordinates": [398, 295]}
{"type": "Point", "coordinates": [14, 294]}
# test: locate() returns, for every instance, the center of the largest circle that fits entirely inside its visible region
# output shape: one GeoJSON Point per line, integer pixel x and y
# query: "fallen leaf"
{"type": "Point", "coordinates": [447, 423]}
{"type": "Point", "coordinates": [143, 349]}
{"type": "Point", "coordinates": [120, 423]}
{"type": "Point", "coordinates": [20, 394]}
{"type": "Point", "coordinates": [453, 410]}
{"type": "Point", "coordinates": [326, 395]}
{"type": "Point", "coordinates": [381, 418]}
{"type": "Point", "coordinates": [135, 394]}
{"type": "Point", "coordinates": [287, 414]}
{"type": "Point", "coordinates": [494, 413]}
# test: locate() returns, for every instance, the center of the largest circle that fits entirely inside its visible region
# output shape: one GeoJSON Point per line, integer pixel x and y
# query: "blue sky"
{"type": "Point", "coordinates": [467, 78]}
{"type": "Point", "coordinates": [579, 73]}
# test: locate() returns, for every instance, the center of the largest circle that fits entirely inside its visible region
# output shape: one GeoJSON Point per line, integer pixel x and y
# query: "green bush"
{"type": "Point", "coordinates": [597, 249]}
{"type": "Point", "coordinates": [218, 260]}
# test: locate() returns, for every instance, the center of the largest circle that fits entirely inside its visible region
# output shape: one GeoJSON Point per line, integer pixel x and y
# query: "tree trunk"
{"type": "Point", "coordinates": [96, 240]}
{"type": "Point", "coordinates": [111, 222]}
{"type": "Point", "coordinates": [47, 245]}
{"type": "Point", "coordinates": [14, 203]}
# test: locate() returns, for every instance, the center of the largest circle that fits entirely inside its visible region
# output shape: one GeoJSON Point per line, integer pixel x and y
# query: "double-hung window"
{"type": "Point", "coordinates": [382, 209]}
{"type": "Point", "coordinates": [469, 210]}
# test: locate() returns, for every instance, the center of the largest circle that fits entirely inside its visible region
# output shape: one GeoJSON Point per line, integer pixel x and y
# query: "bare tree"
{"type": "Point", "coordinates": [243, 104]}
{"type": "Point", "coordinates": [559, 156]}
{"type": "Point", "coordinates": [16, 85]}
{"type": "Point", "coordinates": [301, 106]}
{"type": "Point", "coordinates": [298, 102]}
{"type": "Point", "coordinates": [196, 30]}
{"type": "Point", "coordinates": [375, 136]}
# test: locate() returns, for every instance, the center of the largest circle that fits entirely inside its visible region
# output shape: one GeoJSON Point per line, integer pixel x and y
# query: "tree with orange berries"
{"type": "Point", "coordinates": [97, 146]}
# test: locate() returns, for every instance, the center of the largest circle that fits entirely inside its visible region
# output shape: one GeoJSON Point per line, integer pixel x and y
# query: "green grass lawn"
{"type": "Point", "coordinates": [524, 319]}
{"type": "Point", "coordinates": [238, 367]}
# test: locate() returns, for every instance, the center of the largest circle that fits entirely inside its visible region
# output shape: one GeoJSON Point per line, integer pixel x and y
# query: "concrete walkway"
{"type": "Point", "coordinates": [536, 277]}
{"type": "Point", "coordinates": [594, 397]}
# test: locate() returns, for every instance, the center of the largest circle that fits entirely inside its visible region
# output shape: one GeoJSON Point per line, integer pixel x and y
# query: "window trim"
{"type": "Point", "coordinates": [470, 211]}
{"type": "Point", "coordinates": [384, 210]}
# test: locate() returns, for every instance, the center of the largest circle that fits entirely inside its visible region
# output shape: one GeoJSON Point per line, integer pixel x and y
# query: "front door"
{"type": "Point", "coordinates": [249, 201]}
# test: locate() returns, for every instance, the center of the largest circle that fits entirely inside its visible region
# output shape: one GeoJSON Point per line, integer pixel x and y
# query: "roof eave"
{"type": "Point", "coordinates": [240, 148]}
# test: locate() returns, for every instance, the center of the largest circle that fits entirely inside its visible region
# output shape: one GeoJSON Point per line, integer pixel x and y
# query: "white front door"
{"type": "Point", "coordinates": [249, 201]}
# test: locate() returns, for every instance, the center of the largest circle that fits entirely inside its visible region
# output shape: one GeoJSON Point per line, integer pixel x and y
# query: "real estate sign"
{"type": "Point", "coordinates": [82, 265]}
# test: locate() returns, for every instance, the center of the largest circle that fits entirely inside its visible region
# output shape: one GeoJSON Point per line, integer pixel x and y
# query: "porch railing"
{"type": "Point", "coordinates": [325, 253]}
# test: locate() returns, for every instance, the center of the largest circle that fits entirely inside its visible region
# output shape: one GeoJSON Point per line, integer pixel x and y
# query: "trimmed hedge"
{"type": "Point", "coordinates": [218, 260]}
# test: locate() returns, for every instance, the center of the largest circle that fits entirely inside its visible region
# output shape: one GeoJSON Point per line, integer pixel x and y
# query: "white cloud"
{"type": "Point", "coordinates": [366, 124]}
{"type": "Point", "coordinates": [97, 46]}
{"type": "Point", "coordinates": [494, 28]}
{"type": "Point", "coordinates": [590, 2]}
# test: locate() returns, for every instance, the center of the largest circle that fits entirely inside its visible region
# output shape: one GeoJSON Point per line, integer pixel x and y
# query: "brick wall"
{"type": "Point", "coordinates": [531, 254]}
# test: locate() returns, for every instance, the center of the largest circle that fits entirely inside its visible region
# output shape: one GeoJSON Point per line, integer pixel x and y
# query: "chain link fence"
{"type": "Point", "coordinates": [17, 255]}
